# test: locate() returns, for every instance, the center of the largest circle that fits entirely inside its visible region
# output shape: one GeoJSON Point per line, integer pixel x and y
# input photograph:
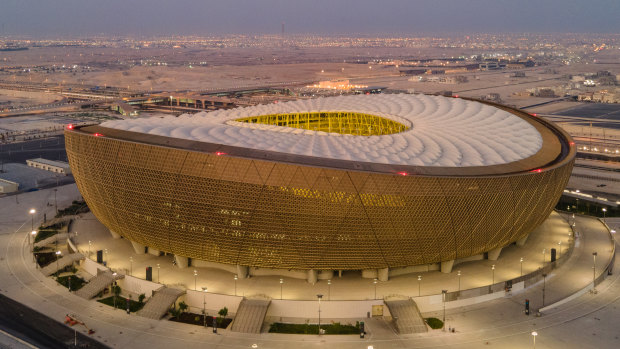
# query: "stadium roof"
{"type": "Point", "coordinates": [441, 131]}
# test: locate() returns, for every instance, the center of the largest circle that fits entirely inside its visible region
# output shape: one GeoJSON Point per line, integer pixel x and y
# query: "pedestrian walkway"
{"type": "Point", "coordinates": [103, 279]}
{"type": "Point", "coordinates": [406, 316]}
{"type": "Point", "coordinates": [158, 305]}
{"type": "Point", "coordinates": [61, 263]}
{"type": "Point", "coordinates": [250, 315]}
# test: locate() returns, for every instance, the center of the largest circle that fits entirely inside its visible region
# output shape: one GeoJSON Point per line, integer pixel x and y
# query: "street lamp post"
{"type": "Point", "coordinates": [32, 212]}
{"type": "Point", "coordinates": [375, 282]}
{"type": "Point", "coordinates": [458, 273]}
{"type": "Point", "coordinates": [534, 334]}
{"type": "Point", "coordinates": [57, 265]}
{"type": "Point", "coordinates": [319, 296]}
{"type": "Point", "coordinates": [493, 272]}
{"type": "Point", "coordinates": [281, 283]}
{"type": "Point", "coordinates": [329, 289]}
{"type": "Point", "coordinates": [236, 277]}
{"type": "Point", "coordinates": [443, 294]}
{"type": "Point", "coordinates": [544, 259]}
{"type": "Point", "coordinates": [560, 249]}
{"type": "Point", "coordinates": [594, 254]}
{"type": "Point", "coordinates": [521, 261]}
{"type": "Point", "coordinates": [107, 262]}
{"type": "Point", "coordinates": [544, 288]}
{"type": "Point", "coordinates": [195, 278]}
{"type": "Point", "coordinates": [56, 202]}
{"type": "Point", "coordinates": [89, 244]}
{"type": "Point", "coordinates": [419, 285]}
{"type": "Point", "coordinates": [130, 266]}
{"type": "Point", "coordinates": [604, 213]}
{"type": "Point", "coordinates": [157, 272]}
{"type": "Point", "coordinates": [34, 234]}
{"type": "Point", "coordinates": [204, 306]}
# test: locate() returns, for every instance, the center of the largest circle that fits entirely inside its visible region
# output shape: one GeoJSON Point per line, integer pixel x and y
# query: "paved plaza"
{"type": "Point", "coordinates": [589, 321]}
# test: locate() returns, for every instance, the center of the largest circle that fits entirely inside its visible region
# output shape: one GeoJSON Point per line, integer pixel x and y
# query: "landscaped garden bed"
{"type": "Point", "coordinates": [198, 319]}
{"type": "Point", "coordinates": [307, 328]}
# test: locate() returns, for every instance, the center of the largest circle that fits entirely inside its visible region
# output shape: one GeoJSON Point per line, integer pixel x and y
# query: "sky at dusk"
{"type": "Point", "coordinates": [368, 17]}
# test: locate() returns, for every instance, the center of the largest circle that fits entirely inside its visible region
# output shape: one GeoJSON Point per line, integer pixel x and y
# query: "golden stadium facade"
{"type": "Point", "coordinates": [366, 191]}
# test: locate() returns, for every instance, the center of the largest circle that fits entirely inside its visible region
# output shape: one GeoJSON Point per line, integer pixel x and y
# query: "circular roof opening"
{"type": "Point", "coordinates": [342, 122]}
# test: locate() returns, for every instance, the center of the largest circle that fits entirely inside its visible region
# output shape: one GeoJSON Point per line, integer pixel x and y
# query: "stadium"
{"type": "Point", "coordinates": [338, 183]}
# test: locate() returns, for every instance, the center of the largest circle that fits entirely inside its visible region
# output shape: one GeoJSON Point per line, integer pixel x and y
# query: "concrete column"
{"type": "Point", "coordinates": [494, 254]}
{"type": "Point", "coordinates": [446, 266]}
{"type": "Point", "coordinates": [312, 276]}
{"type": "Point", "coordinates": [383, 274]}
{"type": "Point", "coordinates": [326, 274]}
{"type": "Point", "coordinates": [522, 240]}
{"type": "Point", "coordinates": [153, 251]}
{"type": "Point", "coordinates": [242, 271]}
{"type": "Point", "coordinates": [114, 234]}
{"type": "Point", "coordinates": [181, 261]}
{"type": "Point", "coordinates": [369, 273]}
{"type": "Point", "coordinates": [138, 248]}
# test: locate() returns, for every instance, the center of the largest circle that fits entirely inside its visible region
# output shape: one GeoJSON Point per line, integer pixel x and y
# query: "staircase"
{"type": "Point", "coordinates": [250, 315]}
{"type": "Point", "coordinates": [61, 263]}
{"type": "Point", "coordinates": [406, 315]}
{"type": "Point", "coordinates": [97, 284]}
{"type": "Point", "coordinates": [158, 305]}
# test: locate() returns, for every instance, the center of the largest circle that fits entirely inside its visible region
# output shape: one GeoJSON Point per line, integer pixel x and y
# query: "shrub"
{"type": "Point", "coordinates": [434, 322]}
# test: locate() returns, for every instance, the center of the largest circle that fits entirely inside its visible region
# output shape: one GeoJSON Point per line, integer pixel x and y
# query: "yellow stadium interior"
{"type": "Point", "coordinates": [348, 123]}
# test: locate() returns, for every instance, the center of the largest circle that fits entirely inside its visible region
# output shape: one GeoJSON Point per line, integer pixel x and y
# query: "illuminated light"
{"type": "Point", "coordinates": [456, 96]}
{"type": "Point", "coordinates": [218, 153]}
{"type": "Point", "coordinates": [534, 114]}
{"type": "Point", "coordinates": [571, 143]}
{"type": "Point", "coordinates": [403, 173]}
{"type": "Point", "coordinates": [538, 170]}
{"type": "Point", "coordinates": [98, 135]}
{"type": "Point", "coordinates": [70, 126]}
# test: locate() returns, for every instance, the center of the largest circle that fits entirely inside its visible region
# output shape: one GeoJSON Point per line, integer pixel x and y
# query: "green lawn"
{"type": "Point", "coordinates": [331, 328]}
{"type": "Point", "coordinates": [121, 303]}
{"type": "Point", "coordinates": [76, 282]}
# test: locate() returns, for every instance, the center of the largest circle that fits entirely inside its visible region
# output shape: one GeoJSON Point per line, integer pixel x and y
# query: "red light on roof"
{"type": "Point", "coordinates": [571, 143]}
{"type": "Point", "coordinates": [403, 173]}
{"type": "Point", "coordinates": [456, 96]}
{"type": "Point", "coordinates": [534, 114]}
{"type": "Point", "coordinates": [538, 170]}
{"type": "Point", "coordinates": [98, 135]}
{"type": "Point", "coordinates": [218, 153]}
{"type": "Point", "coordinates": [70, 126]}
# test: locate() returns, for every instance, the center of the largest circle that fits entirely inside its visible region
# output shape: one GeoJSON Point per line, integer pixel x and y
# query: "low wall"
{"type": "Point", "coordinates": [329, 309]}
{"type": "Point", "coordinates": [138, 286]}
{"type": "Point", "coordinates": [214, 302]}
{"type": "Point", "coordinates": [91, 266]}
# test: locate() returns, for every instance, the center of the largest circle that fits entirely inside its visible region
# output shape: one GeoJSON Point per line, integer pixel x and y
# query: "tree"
{"type": "Point", "coordinates": [141, 298]}
{"type": "Point", "coordinates": [182, 307]}
{"type": "Point", "coordinates": [223, 312]}
{"type": "Point", "coordinates": [117, 291]}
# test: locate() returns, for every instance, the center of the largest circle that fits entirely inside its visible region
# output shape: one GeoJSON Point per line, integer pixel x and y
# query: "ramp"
{"type": "Point", "coordinates": [97, 284]}
{"type": "Point", "coordinates": [250, 315]}
{"type": "Point", "coordinates": [406, 315]}
{"type": "Point", "coordinates": [158, 305]}
{"type": "Point", "coordinates": [61, 263]}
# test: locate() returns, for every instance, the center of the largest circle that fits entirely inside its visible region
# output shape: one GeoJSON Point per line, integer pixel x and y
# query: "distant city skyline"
{"type": "Point", "coordinates": [365, 17]}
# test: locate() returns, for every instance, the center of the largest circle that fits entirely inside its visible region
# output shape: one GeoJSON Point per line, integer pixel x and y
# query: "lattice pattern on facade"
{"type": "Point", "coordinates": [261, 213]}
